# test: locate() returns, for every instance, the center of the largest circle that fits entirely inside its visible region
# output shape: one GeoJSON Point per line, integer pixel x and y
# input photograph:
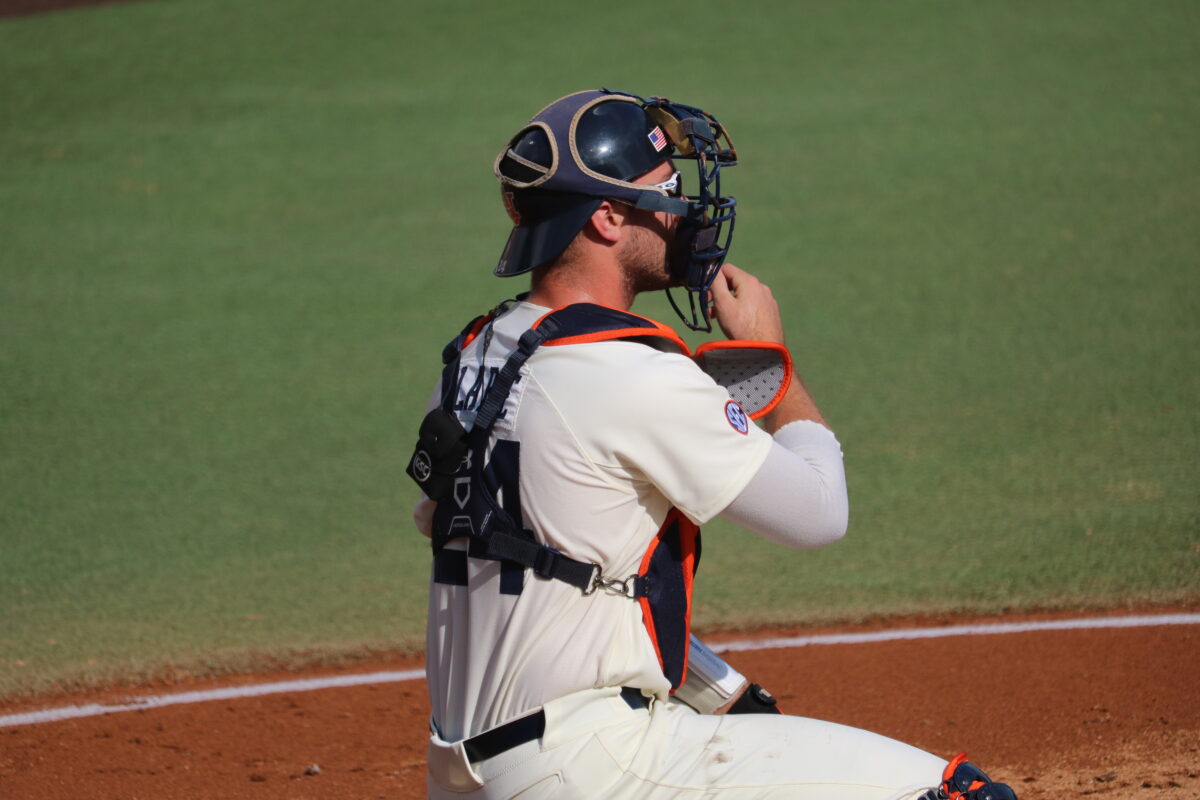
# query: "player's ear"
{"type": "Point", "coordinates": [607, 220]}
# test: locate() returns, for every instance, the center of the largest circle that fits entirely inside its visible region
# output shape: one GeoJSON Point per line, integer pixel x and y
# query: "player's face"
{"type": "Point", "coordinates": [645, 250]}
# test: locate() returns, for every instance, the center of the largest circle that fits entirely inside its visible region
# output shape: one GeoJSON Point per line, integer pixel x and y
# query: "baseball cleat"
{"type": "Point", "coordinates": [962, 780]}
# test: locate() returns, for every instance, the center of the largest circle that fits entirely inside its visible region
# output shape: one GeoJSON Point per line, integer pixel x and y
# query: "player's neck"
{"type": "Point", "coordinates": [600, 282]}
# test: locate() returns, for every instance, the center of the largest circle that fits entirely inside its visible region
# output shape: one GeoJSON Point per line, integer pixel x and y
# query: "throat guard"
{"type": "Point", "coordinates": [477, 489]}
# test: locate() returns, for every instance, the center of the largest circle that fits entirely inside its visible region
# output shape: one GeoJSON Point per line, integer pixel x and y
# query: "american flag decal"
{"type": "Point", "coordinates": [657, 139]}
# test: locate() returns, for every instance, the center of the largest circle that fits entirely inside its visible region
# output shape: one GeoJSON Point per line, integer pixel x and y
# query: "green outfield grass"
{"type": "Point", "coordinates": [235, 235]}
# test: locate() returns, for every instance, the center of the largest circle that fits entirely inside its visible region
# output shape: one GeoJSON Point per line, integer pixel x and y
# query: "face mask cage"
{"type": "Point", "coordinates": [704, 235]}
{"type": "Point", "coordinates": [702, 241]}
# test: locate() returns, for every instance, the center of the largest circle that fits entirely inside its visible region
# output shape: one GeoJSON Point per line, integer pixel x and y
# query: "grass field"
{"type": "Point", "coordinates": [235, 235]}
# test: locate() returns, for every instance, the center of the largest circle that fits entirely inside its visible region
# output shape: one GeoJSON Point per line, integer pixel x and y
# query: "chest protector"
{"type": "Point", "coordinates": [477, 492]}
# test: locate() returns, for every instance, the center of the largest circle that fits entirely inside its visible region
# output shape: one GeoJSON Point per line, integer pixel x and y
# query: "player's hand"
{"type": "Point", "coordinates": [744, 306]}
{"type": "Point", "coordinates": [423, 516]}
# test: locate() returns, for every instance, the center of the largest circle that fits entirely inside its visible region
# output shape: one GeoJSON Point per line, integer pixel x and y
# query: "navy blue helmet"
{"type": "Point", "coordinates": [591, 145]}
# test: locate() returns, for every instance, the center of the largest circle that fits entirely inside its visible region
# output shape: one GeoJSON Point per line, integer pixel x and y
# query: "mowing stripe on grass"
{"type": "Point", "coordinates": [338, 681]}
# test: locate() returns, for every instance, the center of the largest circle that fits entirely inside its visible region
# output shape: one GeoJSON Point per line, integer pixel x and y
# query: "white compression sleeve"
{"type": "Point", "coordinates": [798, 496]}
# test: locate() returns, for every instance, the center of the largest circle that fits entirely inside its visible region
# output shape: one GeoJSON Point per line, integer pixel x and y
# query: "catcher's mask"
{"type": "Point", "coordinates": [591, 145]}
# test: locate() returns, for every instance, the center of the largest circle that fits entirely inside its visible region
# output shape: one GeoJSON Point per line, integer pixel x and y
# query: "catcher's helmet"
{"type": "Point", "coordinates": [591, 145]}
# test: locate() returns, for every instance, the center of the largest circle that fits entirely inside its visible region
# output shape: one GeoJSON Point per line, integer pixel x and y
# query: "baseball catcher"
{"type": "Point", "coordinates": [569, 454]}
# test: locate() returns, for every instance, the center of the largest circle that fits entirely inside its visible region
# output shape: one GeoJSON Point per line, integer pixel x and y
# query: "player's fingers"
{"type": "Point", "coordinates": [720, 286]}
{"type": "Point", "coordinates": [732, 271]}
{"type": "Point", "coordinates": [740, 281]}
{"type": "Point", "coordinates": [732, 276]}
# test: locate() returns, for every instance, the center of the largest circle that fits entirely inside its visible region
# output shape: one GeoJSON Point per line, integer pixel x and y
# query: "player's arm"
{"type": "Point", "coordinates": [798, 496]}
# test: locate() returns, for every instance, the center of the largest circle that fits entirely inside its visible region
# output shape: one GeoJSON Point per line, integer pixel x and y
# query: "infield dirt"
{"type": "Point", "coordinates": [1113, 713]}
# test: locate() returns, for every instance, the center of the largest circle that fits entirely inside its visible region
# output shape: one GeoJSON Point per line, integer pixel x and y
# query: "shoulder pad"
{"type": "Point", "coordinates": [464, 338]}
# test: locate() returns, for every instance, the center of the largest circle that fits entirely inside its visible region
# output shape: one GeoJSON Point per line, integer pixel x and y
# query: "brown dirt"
{"type": "Point", "coordinates": [1113, 713]}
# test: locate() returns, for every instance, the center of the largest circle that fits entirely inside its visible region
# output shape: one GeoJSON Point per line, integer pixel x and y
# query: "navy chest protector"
{"type": "Point", "coordinates": [478, 495]}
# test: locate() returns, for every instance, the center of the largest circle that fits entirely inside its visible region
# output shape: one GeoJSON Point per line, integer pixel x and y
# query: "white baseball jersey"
{"type": "Point", "coordinates": [609, 436]}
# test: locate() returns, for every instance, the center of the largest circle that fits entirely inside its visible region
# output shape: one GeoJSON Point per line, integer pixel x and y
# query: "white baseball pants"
{"type": "Point", "coordinates": [595, 745]}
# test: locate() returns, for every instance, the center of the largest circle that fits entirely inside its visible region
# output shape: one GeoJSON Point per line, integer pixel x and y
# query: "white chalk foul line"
{"type": "Point", "coordinates": [229, 693]}
{"type": "Point", "coordinates": [982, 629]}
{"type": "Point", "coordinates": [336, 681]}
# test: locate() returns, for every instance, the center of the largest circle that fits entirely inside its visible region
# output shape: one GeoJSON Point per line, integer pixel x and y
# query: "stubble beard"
{"type": "Point", "coordinates": [646, 262]}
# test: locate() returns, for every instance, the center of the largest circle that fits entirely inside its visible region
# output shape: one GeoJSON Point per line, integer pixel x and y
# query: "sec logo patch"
{"type": "Point", "coordinates": [737, 417]}
{"type": "Point", "coordinates": [422, 466]}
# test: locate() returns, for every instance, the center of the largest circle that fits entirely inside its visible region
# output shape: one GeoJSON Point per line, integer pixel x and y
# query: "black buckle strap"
{"type": "Point", "coordinates": [527, 728]}
{"type": "Point", "coordinates": [545, 562]}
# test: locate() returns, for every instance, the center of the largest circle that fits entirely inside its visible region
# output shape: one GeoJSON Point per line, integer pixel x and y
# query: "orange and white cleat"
{"type": "Point", "coordinates": [962, 780]}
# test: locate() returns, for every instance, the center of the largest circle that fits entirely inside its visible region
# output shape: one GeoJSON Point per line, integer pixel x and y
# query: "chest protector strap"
{"type": "Point", "coordinates": [448, 464]}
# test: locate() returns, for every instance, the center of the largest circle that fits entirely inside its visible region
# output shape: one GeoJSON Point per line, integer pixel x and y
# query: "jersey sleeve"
{"type": "Point", "coordinates": [656, 418]}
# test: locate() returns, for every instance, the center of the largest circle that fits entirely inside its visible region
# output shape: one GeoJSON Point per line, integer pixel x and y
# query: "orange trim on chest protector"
{"type": "Point", "coordinates": [658, 330]}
